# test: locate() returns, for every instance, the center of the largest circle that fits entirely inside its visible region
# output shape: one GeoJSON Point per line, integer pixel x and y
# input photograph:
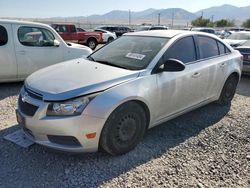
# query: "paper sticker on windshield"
{"type": "Point", "coordinates": [135, 56]}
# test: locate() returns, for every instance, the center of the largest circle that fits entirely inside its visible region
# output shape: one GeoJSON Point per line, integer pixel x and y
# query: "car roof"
{"type": "Point", "coordinates": [102, 30]}
{"type": "Point", "coordinates": [164, 33]}
{"type": "Point", "coordinates": [8, 21]}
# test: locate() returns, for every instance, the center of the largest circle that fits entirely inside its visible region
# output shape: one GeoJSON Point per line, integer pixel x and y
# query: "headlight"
{"type": "Point", "coordinates": [72, 107]}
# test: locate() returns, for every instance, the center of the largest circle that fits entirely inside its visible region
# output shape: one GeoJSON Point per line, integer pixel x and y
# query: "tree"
{"type": "Point", "coordinates": [224, 23]}
{"type": "Point", "coordinates": [246, 23]}
{"type": "Point", "coordinates": [200, 22]}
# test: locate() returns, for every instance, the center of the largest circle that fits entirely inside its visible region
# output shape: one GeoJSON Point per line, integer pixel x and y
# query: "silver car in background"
{"type": "Point", "coordinates": [136, 82]}
{"type": "Point", "coordinates": [244, 49]}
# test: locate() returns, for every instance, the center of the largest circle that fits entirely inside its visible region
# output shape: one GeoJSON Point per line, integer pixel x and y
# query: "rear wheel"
{"type": "Point", "coordinates": [92, 43]}
{"type": "Point", "coordinates": [110, 39]}
{"type": "Point", "coordinates": [124, 129]}
{"type": "Point", "coordinates": [228, 91]}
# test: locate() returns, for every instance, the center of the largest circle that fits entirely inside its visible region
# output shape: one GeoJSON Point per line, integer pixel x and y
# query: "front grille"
{"type": "Point", "coordinates": [33, 94]}
{"type": "Point", "coordinates": [26, 108]}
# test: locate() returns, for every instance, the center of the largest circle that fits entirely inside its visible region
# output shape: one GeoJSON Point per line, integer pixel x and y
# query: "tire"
{"type": "Point", "coordinates": [228, 91]}
{"type": "Point", "coordinates": [110, 39]}
{"type": "Point", "coordinates": [124, 129]}
{"type": "Point", "coordinates": [92, 43]}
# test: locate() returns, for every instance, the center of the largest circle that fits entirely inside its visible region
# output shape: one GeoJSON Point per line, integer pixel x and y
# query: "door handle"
{"type": "Point", "coordinates": [22, 52]}
{"type": "Point", "coordinates": [196, 75]}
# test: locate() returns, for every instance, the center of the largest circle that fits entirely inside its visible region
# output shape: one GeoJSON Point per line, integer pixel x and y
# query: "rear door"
{"type": "Point", "coordinates": [35, 49]}
{"type": "Point", "coordinates": [73, 34]}
{"type": "Point", "coordinates": [8, 66]}
{"type": "Point", "coordinates": [214, 60]}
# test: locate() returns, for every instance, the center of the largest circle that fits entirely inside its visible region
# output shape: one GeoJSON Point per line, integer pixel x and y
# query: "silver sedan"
{"type": "Point", "coordinates": [134, 83]}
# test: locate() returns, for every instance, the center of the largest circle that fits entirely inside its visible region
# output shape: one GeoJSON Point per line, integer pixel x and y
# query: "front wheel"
{"type": "Point", "coordinates": [123, 129]}
{"type": "Point", "coordinates": [92, 43]}
{"type": "Point", "coordinates": [228, 91]}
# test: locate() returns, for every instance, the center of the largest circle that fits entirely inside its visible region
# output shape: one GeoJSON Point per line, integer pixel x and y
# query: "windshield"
{"type": "Point", "coordinates": [239, 36]}
{"type": "Point", "coordinates": [143, 28]}
{"type": "Point", "coordinates": [130, 52]}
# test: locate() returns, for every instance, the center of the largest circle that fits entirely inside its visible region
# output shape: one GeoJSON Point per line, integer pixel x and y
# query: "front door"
{"type": "Point", "coordinates": [181, 90]}
{"type": "Point", "coordinates": [35, 49]}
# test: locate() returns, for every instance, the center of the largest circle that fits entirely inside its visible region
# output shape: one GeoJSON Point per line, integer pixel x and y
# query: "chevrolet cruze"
{"type": "Point", "coordinates": [108, 100]}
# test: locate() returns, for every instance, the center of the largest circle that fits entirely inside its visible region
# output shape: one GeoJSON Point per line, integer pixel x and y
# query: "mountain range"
{"type": "Point", "coordinates": [150, 16]}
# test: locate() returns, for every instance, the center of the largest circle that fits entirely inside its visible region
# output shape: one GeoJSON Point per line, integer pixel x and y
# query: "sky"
{"type": "Point", "coordinates": [68, 8]}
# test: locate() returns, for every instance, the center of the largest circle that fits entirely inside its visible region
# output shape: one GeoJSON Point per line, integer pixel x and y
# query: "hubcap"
{"type": "Point", "coordinates": [92, 44]}
{"type": "Point", "coordinates": [229, 90]}
{"type": "Point", "coordinates": [126, 128]}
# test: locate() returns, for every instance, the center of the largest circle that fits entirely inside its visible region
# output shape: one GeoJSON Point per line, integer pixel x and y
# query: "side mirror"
{"type": "Point", "coordinates": [172, 65]}
{"type": "Point", "coordinates": [56, 43]}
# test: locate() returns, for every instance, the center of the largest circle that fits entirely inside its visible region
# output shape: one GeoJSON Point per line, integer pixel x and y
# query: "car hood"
{"type": "Point", "coordinates": [76, 78]}
{"type": "Point", "coordinates": [234, 42]}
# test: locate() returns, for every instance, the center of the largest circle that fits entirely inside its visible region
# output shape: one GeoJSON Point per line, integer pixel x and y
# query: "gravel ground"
{"type": "Point", "coordinates": [209, 147]}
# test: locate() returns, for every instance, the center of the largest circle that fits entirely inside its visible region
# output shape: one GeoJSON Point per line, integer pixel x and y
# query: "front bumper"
{"type": "Point", "coordinates": [40, 128]}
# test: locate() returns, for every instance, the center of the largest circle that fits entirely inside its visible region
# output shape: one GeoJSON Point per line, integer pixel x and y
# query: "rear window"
{"type": "Point", "coordinates": [3, 36]}
{"type": "Point", "coordinates": [208, 47]}
{"type": "Point", "coordinates": [72, 28]}
{"type": "Point", "coordinates": [222, 48]}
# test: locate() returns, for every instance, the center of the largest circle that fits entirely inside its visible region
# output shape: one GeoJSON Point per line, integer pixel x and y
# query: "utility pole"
{"type": "Point", "coordinates": [129, 17]}
{"type": "Point", "coordinates": [159, 18]}
{"type": "Point", "coordinates": [201, 14]}
{"type": "Point", "coordinates": [212, 18]}
{"type": "Point", "coordinates": [172, 20]}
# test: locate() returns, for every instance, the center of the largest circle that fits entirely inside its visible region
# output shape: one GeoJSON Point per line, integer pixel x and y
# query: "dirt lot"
{"type": "Point", "coordinates": [209, 147]}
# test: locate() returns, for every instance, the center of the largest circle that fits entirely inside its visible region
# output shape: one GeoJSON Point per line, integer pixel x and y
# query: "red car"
{"type": "Point", "coordinates": [69, 33]}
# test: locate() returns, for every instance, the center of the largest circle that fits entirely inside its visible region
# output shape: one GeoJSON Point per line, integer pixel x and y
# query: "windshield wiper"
{"type": "Point", "coordinates": [111, 64]}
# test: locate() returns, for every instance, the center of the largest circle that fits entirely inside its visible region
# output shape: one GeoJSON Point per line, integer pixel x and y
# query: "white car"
{"type": "Point", "coordinates": [238, 38]}
{"type": "Point", "coordinates": [107, 35]}
{"type": "Point", "coordinates": [27, 46]}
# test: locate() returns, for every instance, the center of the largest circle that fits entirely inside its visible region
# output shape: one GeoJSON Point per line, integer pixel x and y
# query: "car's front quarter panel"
{"type": "Point", "coordinates": [143, 89]}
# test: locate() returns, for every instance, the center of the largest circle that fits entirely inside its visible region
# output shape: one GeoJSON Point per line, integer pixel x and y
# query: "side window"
{"type": "Point", "coordinates": [222, 48]}
{"type": "Point", "coordinates": [183, 50]}
{"type": "Point", "coordinates": [35, 36]}
{"type": "Point", "coordinates": [3, 36]}
{"type": "Point", "coordinates": [208, 47]}
{"type": "Point", "coordinates": [62, 29]}
{"type": "Point", "coordinates": [72, 28]}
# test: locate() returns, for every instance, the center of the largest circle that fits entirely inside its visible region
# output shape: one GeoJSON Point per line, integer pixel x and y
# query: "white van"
{"type": "Point", "coordinates": [27, 46]}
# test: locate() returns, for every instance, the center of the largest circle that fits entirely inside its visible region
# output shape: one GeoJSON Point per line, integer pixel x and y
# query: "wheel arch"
{"type": "Point", "coordinates": [145, 108]}
{"type": "Point", "coordinates": [235, 74]}
{"type": "Point", "coordinates": [140, 103]}
{"type": "Point", "coordinates": [92, 38]}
